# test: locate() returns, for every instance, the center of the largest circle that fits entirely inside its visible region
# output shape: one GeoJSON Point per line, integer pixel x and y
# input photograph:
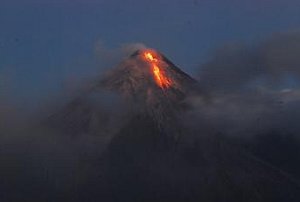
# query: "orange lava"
{"type": "Point", "coordinates": [149, 56]}
{"type": "Point", "coordinates": [159, 75]}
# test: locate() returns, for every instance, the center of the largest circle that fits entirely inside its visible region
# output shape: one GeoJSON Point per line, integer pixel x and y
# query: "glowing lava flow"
{"type": "Point", "coordinates": [159, 75]}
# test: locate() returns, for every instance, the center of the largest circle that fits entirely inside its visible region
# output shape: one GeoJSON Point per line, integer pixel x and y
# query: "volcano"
{"type": "Point", "coordinates": [151, 155]}
{"type": "Point", "coordinates": [154, 88]}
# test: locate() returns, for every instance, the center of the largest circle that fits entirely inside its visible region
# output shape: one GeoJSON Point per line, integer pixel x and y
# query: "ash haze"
{"type": "Point", "coordinates": [81, 118]}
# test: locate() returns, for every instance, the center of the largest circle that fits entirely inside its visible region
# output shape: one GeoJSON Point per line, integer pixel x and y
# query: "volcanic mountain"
{"type": "Point", "coordinates": [147, 82]}
{"type": "Point", "coordinates": [150, 155]}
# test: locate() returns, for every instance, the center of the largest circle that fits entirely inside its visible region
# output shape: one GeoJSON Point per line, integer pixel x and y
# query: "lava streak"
{"type": "Point", "coordinates": [159, 75]}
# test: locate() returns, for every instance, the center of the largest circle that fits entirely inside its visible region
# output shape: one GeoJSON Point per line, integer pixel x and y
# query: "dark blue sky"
{"type": "Point", "coordinates": [43, 42]}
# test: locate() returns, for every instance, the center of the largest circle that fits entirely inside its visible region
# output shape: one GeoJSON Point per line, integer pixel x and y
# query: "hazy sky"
{"type": "Point", "coordinates": [43, 43]}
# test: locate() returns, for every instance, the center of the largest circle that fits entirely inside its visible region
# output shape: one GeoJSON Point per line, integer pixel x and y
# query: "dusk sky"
{"type": "Point", "coordinates": [45, 43]}
{"type": "Point", "coordinates": [150, 100]}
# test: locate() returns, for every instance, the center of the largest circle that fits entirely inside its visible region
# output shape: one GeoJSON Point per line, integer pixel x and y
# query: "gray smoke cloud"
{"type": "Point", "coordinates": [270, 64]}
{"type": "Point", "coordinates": [252, 89]}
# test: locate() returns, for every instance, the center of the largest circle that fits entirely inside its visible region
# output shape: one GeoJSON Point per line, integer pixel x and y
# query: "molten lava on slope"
{"type": "Point", "coordinates": [158, 73]}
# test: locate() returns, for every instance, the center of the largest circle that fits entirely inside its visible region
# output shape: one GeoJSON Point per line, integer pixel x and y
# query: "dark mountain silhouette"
{"type": "Point", "coordinates": [152, 156]}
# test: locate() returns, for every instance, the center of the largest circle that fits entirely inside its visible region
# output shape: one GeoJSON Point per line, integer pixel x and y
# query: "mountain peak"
{"type": "Point", "coordinates": [152, 82]}
{"type": "Point", "coordinates": [148, 70]}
